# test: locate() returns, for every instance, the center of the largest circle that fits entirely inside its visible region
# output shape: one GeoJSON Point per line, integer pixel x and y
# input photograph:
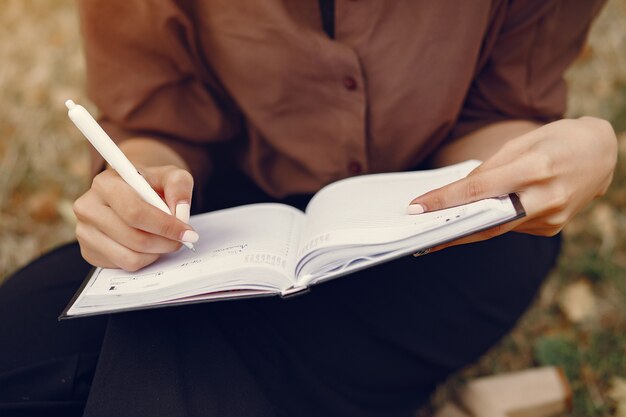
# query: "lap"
{"type": "Point", "coordinates": [50, 363]}
{"type": "Point", "coordinates": [386, 336]}
{"type": "Point", "coordinates": [375, 342]}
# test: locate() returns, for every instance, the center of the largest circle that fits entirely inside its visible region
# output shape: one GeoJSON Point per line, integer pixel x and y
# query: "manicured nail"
{"type": "Point", "coordinates": [182, 212]}
{"type": "Point", "coordinates": [190, 236]}
{"type": "Point", "coordinates": [414, 209]}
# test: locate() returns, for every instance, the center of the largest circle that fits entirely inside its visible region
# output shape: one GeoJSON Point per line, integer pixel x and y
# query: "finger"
{"type": "Point", "coordinates": [501, 157]}
{"type": "Point", "coordinates": [484, 184]}
{"type": "Point", "coordinates": [175, 185]}
{"type": "Point", "coordinates": [178, 187]}
{"type": "Point", "coordinates": [108, 222]}
{"type": "Point", "coordinates": [511, 150]}
{"type": "Point", "coordinates": [545, 231]}
{"type": "Point", "coordinates": [480, 236]}
{"type": "Point", "coordinates": [540, 201]}
{"type": "Point", "coordinates": [138, 214]}
{"type": "Point", "coordinates": [147, 218]}
{"type": "Point", "coordinates": [540, 220]}
{"type": "Point", "coordinates": [154, 175]}
{"type": "Point", "coordinates": [100, 250]}
{"type": "Point", "coordinates": [93, 258]}
{"type": "Point", "coordinates": [92, 210]}
{"type": "Point", "coordinates": [526, 199]}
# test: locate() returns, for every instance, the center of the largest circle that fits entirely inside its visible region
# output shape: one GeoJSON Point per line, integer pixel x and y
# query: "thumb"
{"type": "Point", "coordinates": [175, 185]}
{"type": "Point", "coordinates": [177, 190]}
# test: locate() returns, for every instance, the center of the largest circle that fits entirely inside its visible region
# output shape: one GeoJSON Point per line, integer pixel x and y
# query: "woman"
{"type": "Point", "coordinates": [228, 103]}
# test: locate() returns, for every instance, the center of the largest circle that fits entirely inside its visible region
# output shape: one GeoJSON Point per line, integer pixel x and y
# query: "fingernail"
{"type": "Point", "coordinates": [414, 209]}
{"type": "Point", "coordinates": [190, 236]}
{"type": "Point", "coordinates": [182, 212]}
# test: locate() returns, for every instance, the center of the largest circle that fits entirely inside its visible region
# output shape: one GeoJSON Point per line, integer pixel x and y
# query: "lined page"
{"type": "Point", "coordinates": [263, 235]}
{"type": "Point", "coordinates": [372, 208]}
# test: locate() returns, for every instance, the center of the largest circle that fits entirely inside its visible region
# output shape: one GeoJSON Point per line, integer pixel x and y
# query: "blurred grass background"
{"type": "Point", "coordinates": [577, 322]}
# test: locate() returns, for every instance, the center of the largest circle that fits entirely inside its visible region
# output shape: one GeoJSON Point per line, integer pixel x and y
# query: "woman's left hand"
{"type": "Point", "coordinates": [556, 170]}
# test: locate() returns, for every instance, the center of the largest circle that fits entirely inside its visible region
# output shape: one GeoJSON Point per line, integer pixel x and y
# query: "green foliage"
{"type": "Point", "coordinates": [588, 366]}
{"type": "Point", "coordinates": [594, 266]}
{"type": "Point", "coordinates": [607, 353]}
{"type": "Point", "coordinates": [618, 118]}
{"type": "Point", "coordinates": [560, 351]}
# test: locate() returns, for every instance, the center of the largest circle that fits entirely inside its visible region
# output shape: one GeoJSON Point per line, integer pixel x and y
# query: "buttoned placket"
{"type": "Point", "coordinates": [354, 88]}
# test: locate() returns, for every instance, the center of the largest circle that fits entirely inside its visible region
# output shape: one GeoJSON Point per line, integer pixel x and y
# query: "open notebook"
{"type": "Point", "coordinates": [266, 249]}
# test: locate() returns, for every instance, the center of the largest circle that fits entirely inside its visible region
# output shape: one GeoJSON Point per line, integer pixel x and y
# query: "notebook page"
{"type": "Point", "coordinates": [262, 235]}
{"type": "Point", "coordinates": [372, 208]}
{"type": "Point", "coordinates": [340, 259]}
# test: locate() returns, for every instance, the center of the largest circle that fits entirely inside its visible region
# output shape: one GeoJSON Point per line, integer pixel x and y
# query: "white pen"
{"type": "Point", "coordinates": [115, 157]}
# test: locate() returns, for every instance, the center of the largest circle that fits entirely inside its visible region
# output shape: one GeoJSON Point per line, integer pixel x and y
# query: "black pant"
{"type": "Point", "coordinates": [375, 343]}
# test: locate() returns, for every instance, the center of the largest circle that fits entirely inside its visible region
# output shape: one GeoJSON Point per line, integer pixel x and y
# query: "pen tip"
{"type": "Point", "coordinates": [189, 246]}
{"type": "Point", "coordinates": [70, 104]}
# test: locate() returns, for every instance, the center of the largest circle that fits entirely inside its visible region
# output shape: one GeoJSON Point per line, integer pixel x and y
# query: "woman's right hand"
{"type": "Point", "coordinates": [117, 229]}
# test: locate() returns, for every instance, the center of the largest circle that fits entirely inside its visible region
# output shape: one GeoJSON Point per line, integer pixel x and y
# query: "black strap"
{"type": "Point", "coordinates": [327, 9]}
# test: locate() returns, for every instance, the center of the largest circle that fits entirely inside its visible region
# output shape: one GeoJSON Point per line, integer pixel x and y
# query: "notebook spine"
{"type": "Point", "coordinates": [294, 291]}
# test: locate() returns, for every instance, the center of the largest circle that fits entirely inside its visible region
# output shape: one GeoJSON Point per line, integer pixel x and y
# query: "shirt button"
{"type": "Point", "coordinates": [355, 168]}
{"type": "Point", "coordinates": [349, 83]}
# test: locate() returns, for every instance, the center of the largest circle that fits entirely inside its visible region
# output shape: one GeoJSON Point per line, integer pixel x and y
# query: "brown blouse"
{"type": "Point", "coordinates": [298, 109]}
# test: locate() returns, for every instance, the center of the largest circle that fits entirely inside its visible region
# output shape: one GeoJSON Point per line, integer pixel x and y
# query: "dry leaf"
{"type": "Point", "coordinates": [585, 54]}
{"type": "Point", "coordinates": [42, 206]}
{"type": "Point", "coordinates": [577, 301]}
{"type": "Point", "coordinates": [80, 167]}
{"type": "Point", "coordinates": [617, 393]}
{"type": "Point", "coordinates": [603, 218]}
{"type": "Point", "coordinates": [65, 208]}
{"type": "Point", "coordinates": [621, 140]}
